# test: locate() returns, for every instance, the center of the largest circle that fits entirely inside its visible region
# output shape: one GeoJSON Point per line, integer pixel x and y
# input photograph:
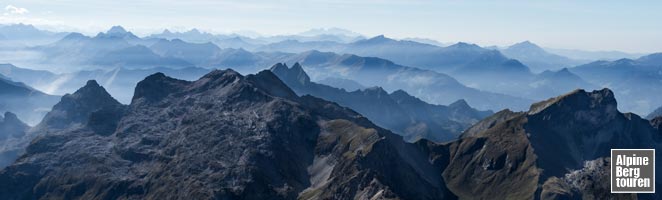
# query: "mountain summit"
{"type": "Point", "coordinates": [232, 137]}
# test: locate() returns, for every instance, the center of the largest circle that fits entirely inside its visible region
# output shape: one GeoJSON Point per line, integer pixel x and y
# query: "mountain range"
{"type": "Point", "coordinates": [116, 47]}
{"type": "Point", "coordinates": [398, 111]}
{"type": "Point", "coordinates": [430, 86]}
{"type": "Point", "coordinates": [636, 82]}
{"type": "Point", "coordinates": [229, 136]}
{"type": "Point", "coordinates": [537, 58]}
{"type": "Point", "coordinates": [118, 81]}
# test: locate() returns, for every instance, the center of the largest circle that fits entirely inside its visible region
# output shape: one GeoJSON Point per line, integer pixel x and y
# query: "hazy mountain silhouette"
{"type": "Point", "coordinates": [118, 81]}
{"type": "Point", "coordinates": [114, 48]}
{"type": "Point", "coordinates": [430, 86]}
{"type": "Point", "coordinates": [28, 103]}
{"type": "Point", "coordinates": [19, 35]}
{"type": "Point", "coordinates": [537, 58]}
{"type": "Point", "coordinates": [398, 111]}
{"type": "Point", "coordinates": [632, 80]}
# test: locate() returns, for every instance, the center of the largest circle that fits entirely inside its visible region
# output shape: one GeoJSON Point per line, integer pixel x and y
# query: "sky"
{"type": "Point", "coordinates": [631, 26]}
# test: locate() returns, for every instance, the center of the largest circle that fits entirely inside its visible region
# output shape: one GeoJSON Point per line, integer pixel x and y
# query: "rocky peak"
{"type": "Point", "coordinates": [460, 104]}
{"type": "Point", "coordinates": [272, 84]}
{"type": "Point", "coordinates": [155, 87]}
{"type": "Point", "coordinates": [74, 36]}
{"type": "Point", "coordinates": [76, 108]}
{"type": "Point", "coordinates": [526, 45]}
{"type": "Point", "coordinates": [296, 74]}
{"type": "Point", "coordinates": [464, 46]}
{"type": "Point", "coordinates": [403, 97]}
{"type": "Point", "coordinates": [116, 30]}
{"type": "Point", "coordinates": [579, 100]}
{"type": "Point", "coordinates": [377, 91]}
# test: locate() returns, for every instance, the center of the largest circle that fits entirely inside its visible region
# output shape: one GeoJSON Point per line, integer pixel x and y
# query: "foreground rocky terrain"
{"type": "Point", "coordinates": [228, 136]}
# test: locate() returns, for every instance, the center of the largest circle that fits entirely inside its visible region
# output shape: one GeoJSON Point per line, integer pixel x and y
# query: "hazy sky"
{"type": "Point", "coordinates": [633, 26]}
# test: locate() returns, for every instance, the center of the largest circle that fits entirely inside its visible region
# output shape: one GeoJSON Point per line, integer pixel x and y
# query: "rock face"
{"type": "Point", "coordinates": [224, 136]}
{"type": "Point", "coordinates": [400, 112]}
{"type": "Point", "coordinates": [11, 129]}
{"type": "Point", "coordinates": [518, 151]}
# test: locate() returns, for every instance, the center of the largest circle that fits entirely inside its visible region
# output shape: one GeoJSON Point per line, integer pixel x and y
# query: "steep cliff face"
{"type": "Point", "coordinates": [519, 151]}
{"type": "Point", "coordinates": [224, 136]}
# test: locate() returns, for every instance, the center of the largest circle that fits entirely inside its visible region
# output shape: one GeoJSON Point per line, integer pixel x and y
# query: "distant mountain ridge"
{"type": "Point", "coordinates": [116, 47]}
{"type": "Point", "coordinates": [430, 86]}
{"type": "Point", "coordinates": [538, 58]}
{"type": "Point", "coordinates": [635, 81]}
{"type": "Point", "coordinates": [398, 111]}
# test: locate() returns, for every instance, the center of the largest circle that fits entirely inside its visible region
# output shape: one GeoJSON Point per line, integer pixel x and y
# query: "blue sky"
{"type": "Point", "coordinates": [633, 26]}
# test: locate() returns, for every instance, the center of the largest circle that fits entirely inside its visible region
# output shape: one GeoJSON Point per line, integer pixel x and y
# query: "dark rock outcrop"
{"type": "Point", "coordinates": [224, 136]}
{"type": "Point", "coordinates": [519, 151]}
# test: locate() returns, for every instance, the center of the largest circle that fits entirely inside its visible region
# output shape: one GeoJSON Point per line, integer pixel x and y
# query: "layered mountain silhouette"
{"type": "Point", "coordinates": [118, 81]}
{"type": "Point", "coordinates": [488, 71]}
{"type": "Point", "coordinates": [21, 35]}
{"type": "Point", "coordinates": [398, 111]}
{"type": "Point", "coordinates": [28, 103]}
{"type": "Point", "coordinates": [430, 86]}
{"type": "Point", "coordinates": [636, 82]}
{"type": "Point", "coordinates": [537, 58]}
{"type": "Point", "coordinates": [210, 55]}
{"type": "Point", "coordinates": [116, 47]}
{"type": "Point", "coordinates": [251, 137]}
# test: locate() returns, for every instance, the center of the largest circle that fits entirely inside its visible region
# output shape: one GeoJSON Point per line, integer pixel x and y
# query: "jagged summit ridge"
{"type": "Point", "coordinates": [231, 136]}
{"type": "Point", "coordinates": [579, 99]}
